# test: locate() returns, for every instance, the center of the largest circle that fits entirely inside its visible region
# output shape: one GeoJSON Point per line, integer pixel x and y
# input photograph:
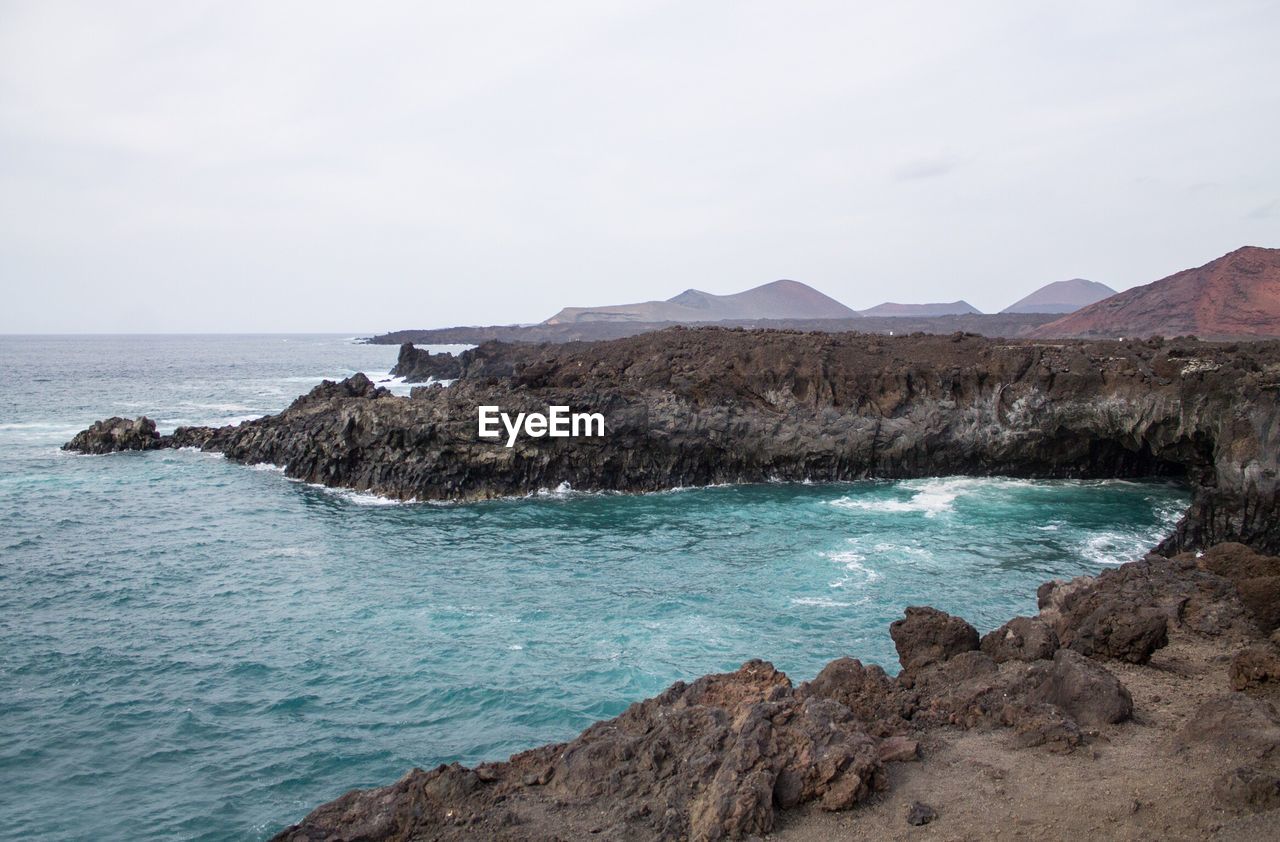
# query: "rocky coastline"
{"type": "Point", "coordinates": [732, 756]}
{"type": "Point", "coordinates": [726, 756]}
{"type": "Point", "coordinates": [699, 406]}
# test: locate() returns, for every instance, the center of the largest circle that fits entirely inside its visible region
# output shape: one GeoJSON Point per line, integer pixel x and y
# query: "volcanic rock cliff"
{"type": "Point", "coordinates": [688, 407]}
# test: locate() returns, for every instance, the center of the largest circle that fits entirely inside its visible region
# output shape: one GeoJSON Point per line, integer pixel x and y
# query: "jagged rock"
{"type": "Point", "coordinates": [1020, 639]}
{"type": "Point", "coordinates": [873, 697]}
{"type": "Point", "coordinates": [1124, 613]}
{"type": "Point", "coordinates": [926, 636]}
{"type": "Point", "coordinates": [704, 761]}
{"type": "Point", "coordinates": [115, 434]}
{"type": "Point", "coordinates": [1083, 689]}
{"type": "Point", "coordinates": [418, 365]}
{"type": "Point", "coordinates": [1255, 666]}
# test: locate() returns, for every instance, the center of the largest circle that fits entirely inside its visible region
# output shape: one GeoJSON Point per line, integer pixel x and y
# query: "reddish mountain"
{"type": "Point", "coordinates": [1236, 296]}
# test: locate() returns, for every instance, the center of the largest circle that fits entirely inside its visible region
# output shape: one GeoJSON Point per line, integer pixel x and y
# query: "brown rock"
{"type": "Point", "coordinates": [1083, 689]}
{"type": "Point", "coordinates": [1250, 788]}
{"type": "Point", "coordinates": [1021, 639]}
{"type": "Point", "coordinates": [871, 695]}
{"type": "Point", "coordinates": [1255, 666]}
{"type": "Point", "coordinates": [926, 636]}
{"type": "Point", "coordinates": [1234, 724]}
{"type": "Point", "coordinates": [899, 750]}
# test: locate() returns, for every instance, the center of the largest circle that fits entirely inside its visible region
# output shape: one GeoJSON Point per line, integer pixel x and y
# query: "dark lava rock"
{"type": "Point", "coordinates": [712, 405]}
{"type": "Point", "coordinates": [926, 636]}
{"type": "Point", "coordinates": [869, 694]}
{"type": "Point", "coordinates": [919, 813]}
{"type": "Point", "coordinates": [418, 365]}
{"type": "Point", "coordinates": [1083, 689]}
{"type": "Point", "coordinates": [707, 760]}
{"type": "Point", "coordinates": [114, 434]}
{"type": "Point", "coordinates": [1124, 613]}
{"type": "Point", "coordinates": [1255, 666]}
{"type": "Point", "coordinates": [1021, 639]}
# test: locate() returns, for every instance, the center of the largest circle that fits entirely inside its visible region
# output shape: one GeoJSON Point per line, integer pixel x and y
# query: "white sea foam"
{"type": "Point", "coordinates": [820, 602]}
{"type": "Point", "coordinates": [858, 573]}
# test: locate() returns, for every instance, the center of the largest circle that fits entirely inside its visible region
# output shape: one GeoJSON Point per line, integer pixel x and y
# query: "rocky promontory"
{"type": "Point", "coordinates": [696, 406]}
{"type": "Point", "coordinates": [726, 756]}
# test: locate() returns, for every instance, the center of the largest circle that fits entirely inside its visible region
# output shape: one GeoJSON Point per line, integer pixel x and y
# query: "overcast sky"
{"type": "Point", "coordinates": [281, 166]}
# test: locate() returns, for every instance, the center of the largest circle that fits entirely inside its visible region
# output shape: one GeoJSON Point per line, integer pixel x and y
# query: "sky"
{"type": "Point", "coordinates": [310, 166]}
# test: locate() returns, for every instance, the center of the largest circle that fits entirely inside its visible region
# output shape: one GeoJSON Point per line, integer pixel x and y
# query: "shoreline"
{"type": "Point", "coordinates": [1047, 696]}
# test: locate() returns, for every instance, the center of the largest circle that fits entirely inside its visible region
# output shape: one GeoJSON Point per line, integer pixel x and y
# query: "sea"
{"type": "Point", "coordinates": [191, 649]}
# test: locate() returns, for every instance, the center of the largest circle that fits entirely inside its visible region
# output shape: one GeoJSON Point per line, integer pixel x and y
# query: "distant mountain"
{"type": "Point", "coordinates": [1061, 297]}
{"type": "Point", "coordinates": [1236, 296]}
{"type": "Point", "coordinates": [778, 300]}
{"type": "Point", "coordinates": [953, 308]}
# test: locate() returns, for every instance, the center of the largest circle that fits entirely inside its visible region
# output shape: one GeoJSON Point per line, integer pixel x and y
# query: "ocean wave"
{"type": "Point", "coordinates": [859, 574]}
{"type": "Point", "coordinates": [820, 602]}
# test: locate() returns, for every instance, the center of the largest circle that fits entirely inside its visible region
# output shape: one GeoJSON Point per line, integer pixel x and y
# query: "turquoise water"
{"type": "Point", "coordinates": [191, 649]}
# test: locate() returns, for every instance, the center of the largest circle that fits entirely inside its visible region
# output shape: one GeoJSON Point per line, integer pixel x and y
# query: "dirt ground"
{"type": "Point", "coordinates": [1132, 781]}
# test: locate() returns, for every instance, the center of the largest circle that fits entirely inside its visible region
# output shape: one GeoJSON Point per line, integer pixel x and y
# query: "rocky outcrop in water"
{"type": "Point", "coordinates": [721, 757]}
{"type": "Point", "coordinates": [418, 365]}
{"type": "Point", "coordinates": [115, 434]}
{"type": "Point", "coordinates": [687, 407]}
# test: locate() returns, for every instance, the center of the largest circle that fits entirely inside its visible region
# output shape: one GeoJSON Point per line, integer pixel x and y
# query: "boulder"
{"type": "Point", "coordinates": [926, 636]}
{"type": "Point", "coordinates": [1255, 666]}
{"type": "Point", "coordinates": [1021, 639]}
{"type": "Point", "coordinates": [1081, 688]}
{"type": "Point", "coordinates": [115, 434]}
{"type": "Point", "coordinates": [1249, 788]}
{"type": "Point", "coordinates": [1234, 725]}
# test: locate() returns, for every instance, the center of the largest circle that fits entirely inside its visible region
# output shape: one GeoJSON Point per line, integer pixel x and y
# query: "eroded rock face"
{"type": "Point", "coordinates": [927, 636]}
{"type": "Point", "coordinates": [709, 405]}
{"type": "Point", "coordinates": [115, 434]}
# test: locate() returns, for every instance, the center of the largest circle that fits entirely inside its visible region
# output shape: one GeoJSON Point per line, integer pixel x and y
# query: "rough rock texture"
{"type": "Point", "coordinates": [1255, 666]}
{"type": "Point", "coordinates": [1125, 613]}
{"type": "Point", "coordinates": [927, 636]}
{"type": "Point", "coordinates": [1020, 639]}
{"type": "Point", "coordinates": [418, 365]}
{"type": "Point", "coordinates": [1257, 577]}
{"type": "Point", "coordinates": [1236, 296]}
{"type": "Point", "coordinates": [114, 434]}
{"type": "Point", "coordinates": [704, 761]}
{"type": "Point", "coordinates": [687, 407]}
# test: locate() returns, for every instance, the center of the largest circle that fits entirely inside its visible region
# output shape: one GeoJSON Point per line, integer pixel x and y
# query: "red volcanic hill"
{"type": "Point", "coordinates": [1236, 296]}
